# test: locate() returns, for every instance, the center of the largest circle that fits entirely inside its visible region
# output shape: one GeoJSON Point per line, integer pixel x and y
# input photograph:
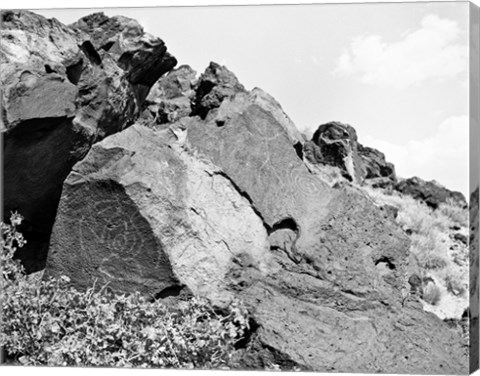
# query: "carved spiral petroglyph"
{"type": "Point", "coordinates": [304, 184]}
{"type": "Point", "coordinates": [106, 222]}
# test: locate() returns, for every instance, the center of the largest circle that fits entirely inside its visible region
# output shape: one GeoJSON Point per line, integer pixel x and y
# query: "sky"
{"type": "Point", "coordinates": [396, 72]}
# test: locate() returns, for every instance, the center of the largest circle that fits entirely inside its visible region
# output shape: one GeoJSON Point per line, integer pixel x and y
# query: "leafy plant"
{"type": "Point", "coordinates": [52, 323]}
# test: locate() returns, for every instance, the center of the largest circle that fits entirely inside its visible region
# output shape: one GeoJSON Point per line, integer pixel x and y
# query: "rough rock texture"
{"type": "Point", "coordinates": [171, 97]}
{"type": "Point", "coordinates": [337, 292]}
{"type": "Point", "coordinates": [336, 144]}
{"type": "Point", "coordinates": [149, 218]}
{"type": "Point", "coordinates": [377, 171]}
{"type": "Point", "coordinates": [473, 279]}
{"type": "Point", "coordinates": [61, 92]}
{"type": "Point", "coordinates": [429, 192]}
{"type": "Point", "coordinates": [209, 193]}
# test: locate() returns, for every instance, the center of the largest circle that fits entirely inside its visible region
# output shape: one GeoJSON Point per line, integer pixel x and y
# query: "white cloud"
{"type": "Point", "coordinates": [443, 157]}
{"type": "Point", "coordinates": [433, 51]}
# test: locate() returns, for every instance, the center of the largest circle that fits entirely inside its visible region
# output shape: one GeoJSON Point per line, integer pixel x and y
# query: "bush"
{"type": "Point", "coordinates": [51, 323]}
{"type": "Point", "coordinates": [432, 294]}
{"type": "Point", "coordinates": [455, 285]}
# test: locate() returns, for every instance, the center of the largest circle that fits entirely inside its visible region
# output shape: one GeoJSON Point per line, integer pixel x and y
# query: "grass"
{"type": "Point", "coordinates": [431, 243]}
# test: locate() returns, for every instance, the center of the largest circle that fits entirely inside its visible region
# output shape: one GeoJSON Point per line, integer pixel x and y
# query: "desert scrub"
{"type": "Point", "coordinates": [432, 294]}
{"type": "Point", "coordinates": [51, 323]}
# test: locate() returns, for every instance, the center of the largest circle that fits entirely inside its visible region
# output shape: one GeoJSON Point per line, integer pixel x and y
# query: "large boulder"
{"type": "Point", "coordinates": [61, 92]}
{"type": "Point", "coordinates": [140, 213]}
{"type": "Point", "coordinates": [430, 192]}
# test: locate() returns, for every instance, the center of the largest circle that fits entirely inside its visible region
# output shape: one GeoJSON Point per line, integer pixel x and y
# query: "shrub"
{"type": "Point", "coordinates": [455, 285]}
{"type": "Point", "coordinates": [432, 294]}
{"type": "Point", "coordinates": [455, 213]}
{"type": "Point", "coordinates": [51, 323]}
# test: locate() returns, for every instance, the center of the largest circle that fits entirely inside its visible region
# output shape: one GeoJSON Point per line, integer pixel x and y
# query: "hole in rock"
{"type": "Point", "coordinates": [49, 69]}
{"type": "Point", "coordinates": [91, 53]}
{"type": "Point", "coordinates": [107, 46]}
{"type": "Point", "coordinates": [385, 262]}
{"type": "Point", "coordinates": [286, 223]}
{"type": "Point", "coordinates": [299, 149]}
{"type": "Point", "coordinates": [74, 72]}
{"type": "Point", "coordinates": [247, 336]}
{"type": "Point", "coordinates": [174, 290]}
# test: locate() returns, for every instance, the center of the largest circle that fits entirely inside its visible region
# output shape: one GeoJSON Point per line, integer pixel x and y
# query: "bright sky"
{"type": "Point", "coordinates": [397, 72]}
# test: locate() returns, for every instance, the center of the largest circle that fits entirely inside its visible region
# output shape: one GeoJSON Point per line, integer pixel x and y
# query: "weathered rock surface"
{"type": "Point", "coordinates": [376, 170]}
{"type": "Point", "coordinates": [209, 193]}
{"type": "Point", "coordinates": [430, 192]}
{"type": "Point", "coordinates": [146, 217]}
{"type": "Point", "coordinates": [336, 144]}
{"type": "Point", "coordinates": [473, 279]}
{"type": "Point", "coordinates": [171, 97]}
{"type": "Point", "coordinates": [61, 92]}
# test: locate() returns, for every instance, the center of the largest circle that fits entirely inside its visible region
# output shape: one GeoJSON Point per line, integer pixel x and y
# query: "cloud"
{"type": "Point", "coordinates": [431, 52]}
{"type": "Point", "coordinates": [443, 157]}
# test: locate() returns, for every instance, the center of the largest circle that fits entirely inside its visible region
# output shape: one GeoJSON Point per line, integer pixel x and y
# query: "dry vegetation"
{"type": "Point", "coordinates": [437, 251]}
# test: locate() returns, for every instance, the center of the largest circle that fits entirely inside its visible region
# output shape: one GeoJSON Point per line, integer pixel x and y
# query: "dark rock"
{"type": "Point", "coordinates": [429, 192]}
{"type": "Point", "coordinates": [336, 144]}
{"type": "Point", "coordinates": [215, 200]}
{"type": "Point", "coordinates": [473, 259]}
{"type": "Point", "coordinates": [60, 94]}
{"type": "Point", "coordinates": [142, 55]}
{"type": "Point", "coordinates": [171, 97]}
{"type": "Point", "coordinates": [461, 238]}
{"type": "Point", "coordinates": [214, 85]}
{"type": "Point", "coordinates": [374, 164]}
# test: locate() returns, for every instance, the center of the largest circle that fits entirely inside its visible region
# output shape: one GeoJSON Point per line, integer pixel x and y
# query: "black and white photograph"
{"type": "Point", "coordinates": [248, 187]}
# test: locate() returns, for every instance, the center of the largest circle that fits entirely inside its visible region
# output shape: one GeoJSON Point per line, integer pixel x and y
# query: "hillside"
{"type": "Point", "coordinates": [163, 182]}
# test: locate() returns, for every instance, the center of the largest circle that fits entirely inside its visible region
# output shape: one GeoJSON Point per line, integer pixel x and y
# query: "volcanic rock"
{"type": "Point", "coordinates": [430, 192]}
{"type": "Point", "coordinates": [336, 144]}
{"type": "Point", "coordinates": [213, 196]}
{"type": "Point", "coordinates": [60, 94]}
{"type": "Point", "coordinates": [377, 171]}
{"type": "Point", "coordinates": [171, 97]}
{"type": "Point", "coordinates": [146, 217]}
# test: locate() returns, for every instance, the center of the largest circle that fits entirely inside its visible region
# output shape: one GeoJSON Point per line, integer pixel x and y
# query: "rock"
{"type": "Point", "coordinates": [473, 278]}
{"type": "Point", "coordinates": [270, 104]}
{"type": "Point", "coordinates": [148, 217]}
{"type": "Point", "coordinates": [336, 144]}
{"type": "Point", "coordinates": [375, 166]}
{"type": "Point", "coordinates": [461, 238]}
{"type": "Point", "coordinates": [213, 198]}
{"type": "Point", "coordinates": [430, 192]}
{"type": "Point", "coordinates": [171, 98]}
{"type": "Point", "coordinates": [142, 55]}
{"type": "Point", "coordinates": [334, 279]}
{"type": "Point", "coordinates": [59, 95]}
{"type": "Point", "coordinates": [214, 85]}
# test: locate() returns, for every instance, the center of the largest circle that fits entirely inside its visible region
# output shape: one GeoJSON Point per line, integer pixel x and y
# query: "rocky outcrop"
{"type": "Point", "coordinates": [377, 171]}
{"type": "Point", "coordinates": [473, 279]}
{"type": "Point", "coordinates": [320, 269]}
{"type": "Point", "coordinates": [209, 192]}
{"type": "Point", "coordinates": [149, 218]}
{"type": "Point", "coordinates": [336, 144]}
{"type": "Point", "coordinates": [430, 192]}
{"type": "Point", "coordinates": [63, 89]}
